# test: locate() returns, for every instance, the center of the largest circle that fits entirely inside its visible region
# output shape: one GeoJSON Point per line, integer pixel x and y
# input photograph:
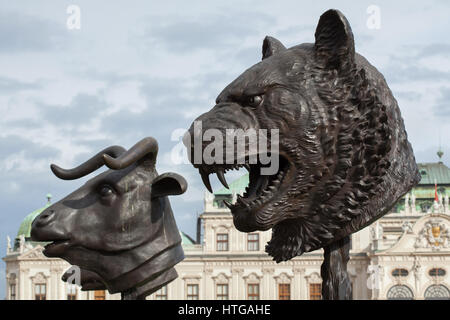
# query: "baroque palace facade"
{"type": "Point", "coordinates": [404, 255]}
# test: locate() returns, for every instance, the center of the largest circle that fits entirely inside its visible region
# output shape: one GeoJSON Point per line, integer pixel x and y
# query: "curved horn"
{"type": "Point", "coordinates": [135, 153]}
{"type": "Point", "coordinates": [87, 167]}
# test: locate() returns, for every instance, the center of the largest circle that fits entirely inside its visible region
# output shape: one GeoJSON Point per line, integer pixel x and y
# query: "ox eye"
{"type": "Point", "coordinates": [106, 190]}
{"type": "Point", "coordinates": [254, 101]}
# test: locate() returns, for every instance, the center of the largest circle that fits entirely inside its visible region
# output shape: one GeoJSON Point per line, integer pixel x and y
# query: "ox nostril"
{"type": "Point", "coordinates": [45, 218]}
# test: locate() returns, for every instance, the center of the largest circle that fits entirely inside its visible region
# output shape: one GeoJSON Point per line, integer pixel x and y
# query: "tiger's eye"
{"type": "Point", "coordinates": [254, 101]}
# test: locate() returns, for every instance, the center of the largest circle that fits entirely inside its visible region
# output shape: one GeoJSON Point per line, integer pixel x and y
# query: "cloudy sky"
{"type": "Point", "coordinates": [141, 68]}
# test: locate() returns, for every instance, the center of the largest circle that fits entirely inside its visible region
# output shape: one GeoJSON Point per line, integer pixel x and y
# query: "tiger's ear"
{"type": "Point", "coordinates": [271, 46]}
{"type": "Point", "coordinates": [335, 45]}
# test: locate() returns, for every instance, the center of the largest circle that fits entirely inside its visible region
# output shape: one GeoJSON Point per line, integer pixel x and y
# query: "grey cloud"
{"type": "Point", "coordinates": [23, 33]}
{"type": "Point", "coordinates": [294, 35]}
{"type": "Point", "coordinates": [406, 67]}
{"type": "Point", "coordinates": [410, 72]}
{"type": "Point", "coordinates": [435, 49]}
{"type": "Point", "coordinates": [249, 56]}
{"type": "Point", "coordinates": [441, 108]}
{"type": "Point", "coordinates": [214, 82]}
{"type": "Point", "coordinates": [81, 109]}
{"type": "Point", "coordinates": [14, 144]}
{"type": "Point", "coordinates": [213, 31]}
{"type": "Point", "coordinates": [9, 85]}
{"type": "Point", "coordinates": [429, 154]}
{"type": "Point", "coordinates": [131, 127]}
{"type": "Point", "coordinates": [408, 95]}
{"type": "Point", "coordinates": [94, 146]}
{"type": "Point", "coordinates": [109, 77]}
{"type": "Point", "coordinates": [361, 39]}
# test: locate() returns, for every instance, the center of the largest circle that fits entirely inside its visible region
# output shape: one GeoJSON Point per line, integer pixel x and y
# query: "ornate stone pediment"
{"type": "Point", "coordinates": [429, 233]}
{"type": "Point", "coordinates": [435, 235]}
{"type": "Point", "coordinates": [39, 278]}
{"type": "Point", "coordinates": [283, 278]}
{"type": "Point", "coordinates": [313, 278]}
{"type": "Point", "coordinates": [33, 254]}
{"type": "Point", "coordinates": [252, 277]}
{"type": "Point", "coordinates": [221, 278]}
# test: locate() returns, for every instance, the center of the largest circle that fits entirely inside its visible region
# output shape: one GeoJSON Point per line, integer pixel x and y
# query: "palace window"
{"type": "Point", "coordinates": [99, 295]}
{"type": "Point", "coordinates": [437, 272]}
{"type": "Point", "coordinates": [253, 291]}
{"type": "Point", "coordinates": [315, 291]}
{"type": "Point", "coordinates": [400, 272]}
{"type": "Point", "coordinates": [192, 292]}
{"type": "Point", "coordinates": [284, 291]}
{"type": "Point", "coordinates": [12, 292]}
{"type": "Point", "coordinates": [437, 292]}
{"type": "Point", "coordinates": [253, 242]}
{"type": "Point", "coordinates": [71, 292]}
{"type": "Point", "coordinates": [222, 291]}
{"type": "Point", "coordinates": [222, 242]}
{"type": "Point", "coordinates": [40, 291]}
{"type": "Point", "coordinates": [161, 294]}
{"type": "Point", "coordinates": [400, 292]}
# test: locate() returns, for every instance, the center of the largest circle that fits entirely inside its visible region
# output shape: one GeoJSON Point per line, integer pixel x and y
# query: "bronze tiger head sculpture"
{"type": "Point", "coordinates": [343, 153]}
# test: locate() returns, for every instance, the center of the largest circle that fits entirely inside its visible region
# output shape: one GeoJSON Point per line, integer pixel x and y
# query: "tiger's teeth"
{"type": "Point", "coordinates": [205, 179]}
{"type": "Point", "coordinates": [242, 201]}
{"type": "Point", "coordinates": [221, 176]}
{"type": "Point", "coordinates": [229, 205]}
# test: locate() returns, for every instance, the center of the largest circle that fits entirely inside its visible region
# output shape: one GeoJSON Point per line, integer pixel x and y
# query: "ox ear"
{"type": "Point", "coordinates": [271, 46]}
{"type": "Point", "coordinates": [168, 184]}
{"type": "Point", "coordinates": [335, 45]}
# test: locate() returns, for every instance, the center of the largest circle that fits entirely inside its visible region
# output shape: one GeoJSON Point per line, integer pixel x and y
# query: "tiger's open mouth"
{"type": "Point", "coordinates": [261, 191]}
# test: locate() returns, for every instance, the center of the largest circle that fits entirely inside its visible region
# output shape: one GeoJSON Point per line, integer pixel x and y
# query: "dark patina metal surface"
{"type": "Point", "coordinates": [344, 156]}
{"type": "Point", "coordinates": [118, 227]}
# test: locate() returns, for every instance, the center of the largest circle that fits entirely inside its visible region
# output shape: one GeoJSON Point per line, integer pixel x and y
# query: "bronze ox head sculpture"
{"type": "Point", "coordinates": [343, 153]}
{"type": "Point", "coordinates": [118, 227]}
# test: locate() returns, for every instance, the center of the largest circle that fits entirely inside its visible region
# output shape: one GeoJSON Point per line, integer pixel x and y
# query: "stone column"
{"type": "Point", "coordinates": [62, 286]}
{"type": "Point", "coordinates": [24, 285]}
{"type": "Point", "coordinates": [208, 283]}
{"type": "Point", "coordinates": [53, 285]}
{"type": "Point", "coordinates": [236, 284]}
{"type": "Point", "coordinates": [266, 290]}
{"type": "Point", "coordinates": [417, 269]}
{"type": "Point", "coordinates": [298, 284]}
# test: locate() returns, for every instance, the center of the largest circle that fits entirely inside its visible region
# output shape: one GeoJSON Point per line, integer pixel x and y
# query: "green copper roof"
{"type": "Point", "coordinates": [25, 226]}
{"type": "Point", "coordinates": [186, 240]}
{"type": "Point", "coordinates": [434, 172]}
{"type": "Point", "coordinates": [237, 186]}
